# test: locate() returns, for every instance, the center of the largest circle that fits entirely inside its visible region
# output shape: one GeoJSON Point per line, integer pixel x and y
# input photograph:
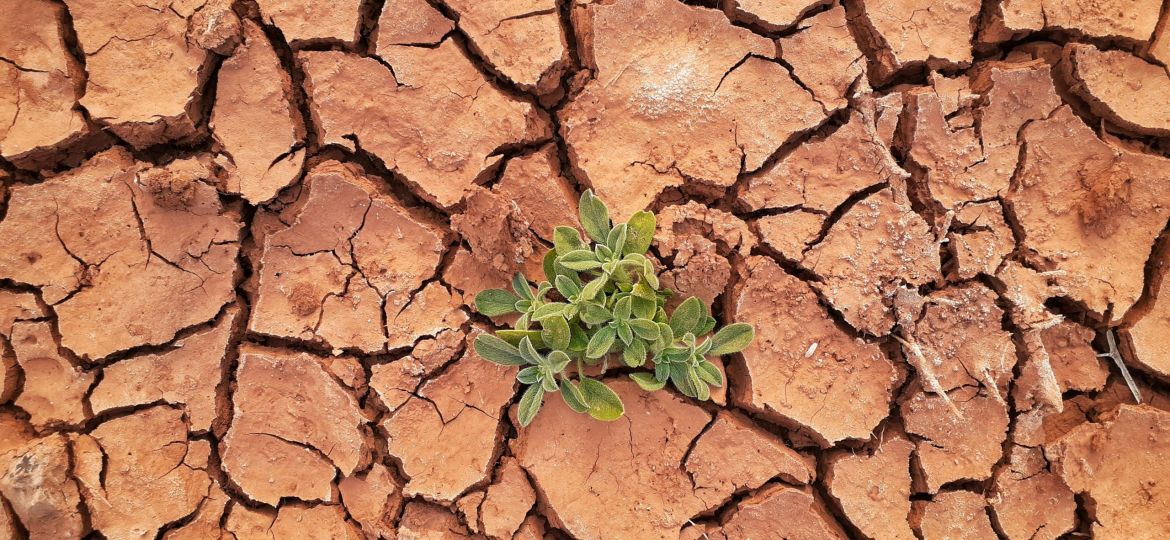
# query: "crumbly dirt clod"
{"type": "Point", "coordinates": [240, 243]}
{"type": "Point", "coordinates": [820, 175]}
{"type": "Point", "coordinates": [42, 82]}
{"type": "Point", "coordinates": [538, 191]}
{"type": "Point", "coordinates": [306, 21]}
{"type": "Point", "coordinates": [318, 522]}
{"type": "Point", "coordinates": [873, 490]}
{"type": "Point", "coordinates": [574, 492]}
{"type": "Point", "coordinates": [1072, 186]}
{"type": "Point", "coordinates": [1120, 87]}
{"type": "Point", "coordinates": [960, 333]}
{"type": "Point", "coordinates": [960, 440]}
{"type": "Point", "coordinates": [700, 241]}
{"type": "Point", "coordinates": [826, 59]}
{"type": "Point", "coordinates": [187, 376]}
{"type": "Point", "coordinates": [1029, 500]}
{"type": "Point", "coordinates": [416, 102]}
{"type": "Point", "coordinates": [294, 427]}
{"type": "Point", "coordinates": [55, 385]}
{"type": "Point", "coordinates": [466, 403]}
{"type": "Point", "coordinates": [1117, 463]}
{"type": "Point", "coordinates": [964, 132]}
{"type": "Point", "coordinates": [1094, 18]}
{"type": "Point", "coordinates": [256, 121]}
{"type": "Point", "coordinates": [734, 455]}
{"type": "Point", "coordinates": [145, 83]}
{"type": "Point", "coordinates": [40, 488]}
{"type": "Point", "coordinates": [507, 502]}
{"type": "Point", "coordinates": [783, 511]}
{"type": "Point", "coordinates": [953, 515]}
{"type": "Point", "coordinates": [374, 499]}
{"type": "Point", "coordinates": [522, 39]}
{"type": "Point", "coordinates": [140, 472]}
{"type": "Point", "coordinates": [148, 268]}
{"type": "Point", "coordinates": [803, 369]}
{"type": "Point", "coordinates": [911, 33]}
{"type": "Point", "coordinates": [410, 22]}
{"type": "Point", "coordinates": [878, 247]}
{"type": "Point", "coordinates": [1149, 338]}
{"type": "Point", "coordinates": [663, 109]}
{"type": "Point", "coordinates": [329, 275]}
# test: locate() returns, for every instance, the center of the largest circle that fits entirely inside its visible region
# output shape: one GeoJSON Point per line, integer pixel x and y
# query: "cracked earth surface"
{"type": "Point", "coordinates": [240, 239]}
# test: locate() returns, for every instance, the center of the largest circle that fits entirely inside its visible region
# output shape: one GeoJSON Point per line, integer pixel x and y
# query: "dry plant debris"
{"type": "Point", "coordinates": [241, 243]}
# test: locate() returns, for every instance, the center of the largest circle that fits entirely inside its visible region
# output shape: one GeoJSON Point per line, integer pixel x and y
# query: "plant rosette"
{"type": "Point", "coordinates": [602, 302]}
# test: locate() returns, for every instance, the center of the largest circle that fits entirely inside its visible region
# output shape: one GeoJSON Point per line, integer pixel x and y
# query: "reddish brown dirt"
{"type": "Point", "coordinates": [240, 242]}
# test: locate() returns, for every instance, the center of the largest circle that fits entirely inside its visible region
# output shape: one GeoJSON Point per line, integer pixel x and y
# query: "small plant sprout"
{"type": "Point", "coordinates": [602, 303]}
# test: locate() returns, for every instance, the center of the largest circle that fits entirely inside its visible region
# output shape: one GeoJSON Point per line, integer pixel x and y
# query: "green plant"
{"type": "Point", "coordinates": [602, 299]}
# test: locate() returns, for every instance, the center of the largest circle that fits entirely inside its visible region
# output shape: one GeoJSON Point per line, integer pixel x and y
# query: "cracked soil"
{"type": "Point", "coordinates": [240, 239]}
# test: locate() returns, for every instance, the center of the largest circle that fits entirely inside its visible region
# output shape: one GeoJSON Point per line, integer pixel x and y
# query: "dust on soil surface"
{"type": "Point", "coordinates": [240, 239]}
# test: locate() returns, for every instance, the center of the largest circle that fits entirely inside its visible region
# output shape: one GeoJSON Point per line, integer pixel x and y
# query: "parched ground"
{"type": "Point", "coordinates": [239, 240]}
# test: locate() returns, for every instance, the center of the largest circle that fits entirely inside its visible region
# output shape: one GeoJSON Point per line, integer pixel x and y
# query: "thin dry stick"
{"type": "Point", "coordinates": [1115, 354]}
{"type": "Point", "coordinates": [919, 361]}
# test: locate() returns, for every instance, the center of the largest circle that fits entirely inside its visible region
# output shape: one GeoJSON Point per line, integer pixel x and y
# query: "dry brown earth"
{"type": "Point", "coordinates": [240, 242]}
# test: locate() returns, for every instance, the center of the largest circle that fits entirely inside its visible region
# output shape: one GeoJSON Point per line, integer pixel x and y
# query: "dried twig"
{"type": "Point", "coordinates": [1115, 354]}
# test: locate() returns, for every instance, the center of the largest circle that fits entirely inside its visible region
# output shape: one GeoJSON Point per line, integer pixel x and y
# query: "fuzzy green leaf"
{"type": "Point", "coordinates": [591, 289]}
{"type": "Point", "coordinates": [643, 291]}
{"type": "Point", "coordinates": [495, 302]}
{"type": "Point", "coordinates": [702, 391]}
{"type": "Point", "coordinates": [704, 348]}
{"type": "Point", "coordinates": [661, 373]}
{"type": "Point", "coordinates": [604, 403]}
{"type": "Point", "coordinates": [592, 313]}
{"type": "Point", "coordinates": [555, 332]}
{"type": "Point", "coordinates": [624, 332]}
{"type": "Point", "coordinates": [706, 326]}
{"type": "Point", "coordinates": [578, 339]}
{"type": "Point", "coordinates": [647, 382]}
{"type": "Point", "coordinates": [496, 350]}
{"type": "Point", "coordinates": [666, 333]}
{"type": "Point", "coordinates": [602, 253]}
{"type": "Point", "coordinates": [678, 376]}
{"type": "Point", "coordinates": [732, 339]}
{"type": "Point", "coordinates": [600, 343]}
{"type": "Point", "coordinates": [709, 373]}
{"type": "Point", "coordinates": [528, 351]}
{"type": "Point", "coordinates": [551, 309]}
{"type": "Point", "coordinates": [644, 308]}
{"type": "Point", "coordinates": [530, 404]}
{"type": "Point", "coordinates": [640, 232]}
{"type": "Point", "coordinates": [520, 285]}
{"type": "Point", "coordinates": [635, 354]}
{"type": "Point", "coordinates": [566, 240]}
{"type": "Point", "coordinates": [687, 316]}
{"type": "Point", "coordinates": [623, 308]}
{"type": "Point", "coordinates": [561, 270]}
{"type": "Point", "coordinates": [558, 360]}
{"type": "Point", "coordinates": [574, 397]}
{"type": "Point", "coordinates": [549, 265]}
{"type": "Point", "coordinates": [548, 381]}
{"type": "Point", "coordinates": [514, 337]}
{"type": "Point", "coordinates": [529, 375]}
{"type": "Point", "coordinates": [616, 241]}
{"type": "Point", "coordinates": [567, 287]}
{"type": "Point", "coordinates": [594, 216]}
{"type": "Point", "coordinates": [649, 275]}
{"type": "Point", "coordinates": [581, 260]}
{"type": "Point", "coordinates": [645, 328]}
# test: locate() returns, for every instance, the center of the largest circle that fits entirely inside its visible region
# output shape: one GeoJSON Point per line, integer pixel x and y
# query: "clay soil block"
{"type": "Point", "coordinates": [241, 242]}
